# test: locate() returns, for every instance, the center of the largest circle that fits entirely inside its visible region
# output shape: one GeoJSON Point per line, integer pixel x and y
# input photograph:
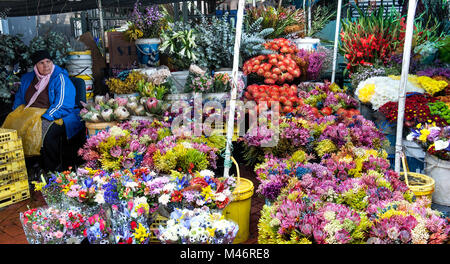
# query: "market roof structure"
{"type": "Point", "coordinates": [15, 8]}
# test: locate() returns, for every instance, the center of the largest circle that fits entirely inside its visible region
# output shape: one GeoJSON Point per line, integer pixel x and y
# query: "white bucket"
{"type": "Point", "coordinates": [414, 150]}
{"type": "Point", "coordinates": [439, 170]}
{"type": "Point", "coordinates": [79, 63]}
{"type": "Point", "coordinates": [77, 72]}
{"type": "Point", "coordinates": [307, 43]}
{"type": "Point", "coordinates": [179, 80]}
{"type": "Point", "coordinates": [79, 57]}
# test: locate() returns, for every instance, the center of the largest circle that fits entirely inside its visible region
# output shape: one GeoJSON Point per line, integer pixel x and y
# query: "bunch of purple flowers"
{"type": "Point", "coordinates": [148, 19]}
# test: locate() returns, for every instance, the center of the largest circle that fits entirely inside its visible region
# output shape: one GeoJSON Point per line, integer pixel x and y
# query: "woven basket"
{"type": "Point", "coordinates": [420, 184]}
{"type": "Point", "coordinates": [94, 128]}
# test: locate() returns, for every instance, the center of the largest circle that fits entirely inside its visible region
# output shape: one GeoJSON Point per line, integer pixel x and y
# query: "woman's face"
{"type": "Point", "coordinates": [44, 66]}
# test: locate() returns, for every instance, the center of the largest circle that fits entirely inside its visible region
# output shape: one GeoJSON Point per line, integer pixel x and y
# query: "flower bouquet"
{"type": "Point", "coordinates": [48, 225]}
{"type": "Point", "coordinates": [313, 63]}
{"type": "Point", "coordinates": [145, 22]}
{"type": "Point", "coordinates": [97, 230]}
{"type": "Point", "coordinates": [126, 82]}
{"type": "Point", "coordinates": [129, 221]}
{"type": "Point", "coordinates": [197, 189]}
{"type": "Point", "coordinates": [122, 146]}
{"type": "Point", "coordinates": [198, 226]}
{"type": "Point", "coordinates": [434, 139]}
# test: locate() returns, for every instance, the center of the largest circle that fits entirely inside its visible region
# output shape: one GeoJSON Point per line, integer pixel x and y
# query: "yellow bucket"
{"type": "Point", "coordinates": [420, 184]}
{"type": "Point", "coordinates": [86, 52]}
{"type": "Point", "coordinates": [239, 209]}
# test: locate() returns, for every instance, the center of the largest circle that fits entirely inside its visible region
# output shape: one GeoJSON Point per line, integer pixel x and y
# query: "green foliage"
{"type": "Point", "coordinates": [215, 43]}
{"type": "Point", "coordinates": [321, 15]}
{"type": "Point", "coordinates": [179, 42]}
{"type": "Point", "coordinates": [56, 44]}
{"type": "Point", "coordinates": [14, 60]}
{"type": "Point", "coordinates": [271, 18]}
{"type": "Point", "coordinates": [253, 38]}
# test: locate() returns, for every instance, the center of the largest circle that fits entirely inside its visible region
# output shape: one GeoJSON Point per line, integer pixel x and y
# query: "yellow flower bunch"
{"type": "Point", "coordinates": [133, 33]}
{"type": "Point", "coordinates": [325, 146]}
{"type": "Point", "coordinates": [424, 134]}
{"type": "Point", "coordinates": [130, 84]}
{"type": "Point", "coordinates": [298, 157]}
{"type": "Point", "coordinates": [140, 233]}
{"type": "Point", "coordinates": [431, 85]}
{"type": "Point", "coordinates": [392, 212]}
{"type": "Point", "coordinates": [366, 93]}
{"type": "Point", "coordinates": [38, 186]}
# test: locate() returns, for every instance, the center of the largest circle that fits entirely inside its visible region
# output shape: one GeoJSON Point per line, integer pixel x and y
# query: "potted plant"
{"type": "Point", "coordinates": [145, 28]}
{"type": "Point", "coordinates": [179, 43]}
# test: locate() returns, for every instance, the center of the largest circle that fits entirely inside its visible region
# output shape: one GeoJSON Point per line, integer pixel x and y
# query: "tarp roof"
{"type": "Point", "coordinates": [14, 8]}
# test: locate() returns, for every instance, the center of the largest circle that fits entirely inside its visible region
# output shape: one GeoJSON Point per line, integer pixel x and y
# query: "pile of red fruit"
{"type": "Point", "coordinates": [275, 68]}
{"type": "Point", "coordinates": [286, 95]}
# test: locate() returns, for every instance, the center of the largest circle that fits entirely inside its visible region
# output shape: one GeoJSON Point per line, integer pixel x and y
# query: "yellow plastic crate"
{"type": "Point", "coordinates": [9, 146]}
{"type": "Point", "coordinates": [8, 189]}
{"type": "Point", "coordinates": [160, 220]}
{"type": "Point", "coordinates": [15, 198]}
{"type": "Point", "coordinates": [11, 156]}
{"type": "Point", "coordinates": [7, 135]}
{"type": "Point", "coordinates": [12, 166]}
{"type": "Point", "coordinates": [13, 177]}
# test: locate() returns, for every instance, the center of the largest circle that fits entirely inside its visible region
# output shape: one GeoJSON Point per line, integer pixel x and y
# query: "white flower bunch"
{"type": "Point", "coordinates": [386, 90]}
{"type": "Point", "coordinates": [197, 226]}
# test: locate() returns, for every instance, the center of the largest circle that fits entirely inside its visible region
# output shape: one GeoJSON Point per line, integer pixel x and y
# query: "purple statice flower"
{"type": "Point", "coordinates": [258, 136]}
{"type": "Point", "coordinates": [337, 133]}
{"type": "Point", "coordinates": [271, 188]}
{"type": "Point", "coordinates": [298, 135]}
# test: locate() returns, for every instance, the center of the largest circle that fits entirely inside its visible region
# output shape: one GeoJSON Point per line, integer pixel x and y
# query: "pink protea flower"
{"type": "Point", "coordinates": [115, 151]}
{"type": "Point", "coordinates": [152, 103]}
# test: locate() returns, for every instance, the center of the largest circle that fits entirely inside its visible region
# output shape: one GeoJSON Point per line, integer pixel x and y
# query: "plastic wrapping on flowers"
{"type": "Point", "coordinates": [49, 225]}
{"type": "Point", "coordinates": [197, 226]}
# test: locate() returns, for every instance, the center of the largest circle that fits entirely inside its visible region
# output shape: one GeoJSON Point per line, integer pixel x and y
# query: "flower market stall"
{"type": "Point", "coordinates": [167, 144]}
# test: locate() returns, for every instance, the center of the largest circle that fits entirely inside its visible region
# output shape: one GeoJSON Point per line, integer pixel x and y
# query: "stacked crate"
{"type": "Point", "coordinates": [13, 172]}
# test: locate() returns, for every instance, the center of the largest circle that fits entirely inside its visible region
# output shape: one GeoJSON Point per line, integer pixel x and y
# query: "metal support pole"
{"type": "Point", "coordinates": [336, 40]}
{"type": "Point", "coordinates": [404, 79]}
{"type": "Point", "coordinates": [102, 28]}
{"type": "Point", "coordinates": [234, 73]}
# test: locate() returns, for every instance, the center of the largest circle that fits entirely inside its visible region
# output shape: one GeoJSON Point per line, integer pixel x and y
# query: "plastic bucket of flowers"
{"type": "Point", "coordinates": [179, 80]}
{"type": "Point", "coordinates": [148, 51]}
{"type": "Point", "coordinates": [239, 209]}
{"type": "Point", "coordinates": [439, 170]}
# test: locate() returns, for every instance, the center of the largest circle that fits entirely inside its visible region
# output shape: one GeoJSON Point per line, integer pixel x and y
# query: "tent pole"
{"type": "Point", "coordinates": [309, 17]}
{"type": "Point", "coordinates": [234, 73]}
{"type": "Point", "coordinates": [336, 40]}
{"type": "Point", "coordinates": [404, 78]}
{"type": "Point", "coordinates": [102, 27]}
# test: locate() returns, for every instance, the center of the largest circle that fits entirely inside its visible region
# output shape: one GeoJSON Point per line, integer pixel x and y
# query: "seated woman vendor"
{"type": "Point", "coordinates": [47, 93]}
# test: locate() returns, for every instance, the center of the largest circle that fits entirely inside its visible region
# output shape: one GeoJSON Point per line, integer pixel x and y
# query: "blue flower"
{"type": "Point", "coordinates": [88, 182]}
{"type": "Point", "coordinates": [300, 171]}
